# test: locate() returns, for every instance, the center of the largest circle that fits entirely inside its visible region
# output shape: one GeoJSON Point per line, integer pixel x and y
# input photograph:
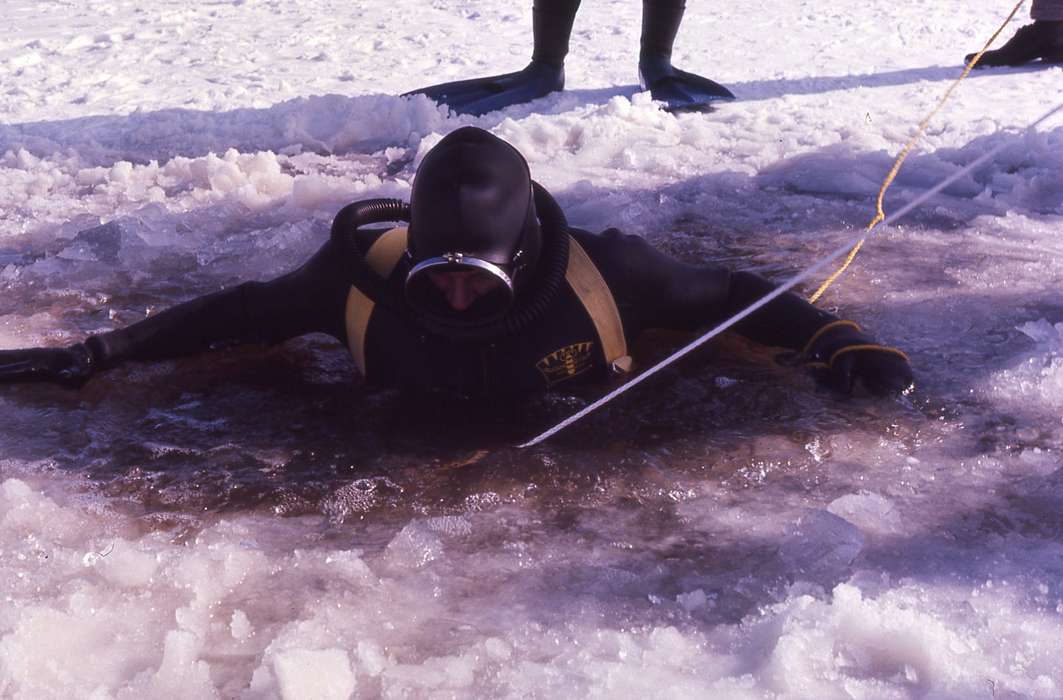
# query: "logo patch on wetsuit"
{"type": "Point", "coordinates": [566, 362]}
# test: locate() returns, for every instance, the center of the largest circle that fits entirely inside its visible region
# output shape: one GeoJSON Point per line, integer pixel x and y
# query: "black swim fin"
{"type": "Point", "coordinates": [679, 90]}
{"type": "Point", "coordinates": [1041, 40]}
{"type": "Point", "coordinates": [551, 28]}
{"type": "Point", "coordinates": [482, 95]}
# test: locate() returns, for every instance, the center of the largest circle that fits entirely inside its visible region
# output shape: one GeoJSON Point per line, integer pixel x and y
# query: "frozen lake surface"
{"type": "Point", "coordinates": [252, 524]}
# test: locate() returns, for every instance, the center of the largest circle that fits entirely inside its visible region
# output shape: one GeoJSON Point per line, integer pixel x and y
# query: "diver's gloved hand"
{"type": "Point", "coordinates": [70, 366]}
{"type": "Point", "coordinates": [479, 96]}
{"type": "Point", "coordinates": [840, 353]}
{"type": "Point", "coordinates": [678, 89]}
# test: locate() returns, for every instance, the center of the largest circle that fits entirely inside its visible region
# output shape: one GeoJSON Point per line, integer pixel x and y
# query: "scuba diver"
{"type": "Point", "coordinates": [486, 292]}
{"type": "Point", "coordinates": [551, 28]}
{"type": "Point", "coordinates": [1041, 40]}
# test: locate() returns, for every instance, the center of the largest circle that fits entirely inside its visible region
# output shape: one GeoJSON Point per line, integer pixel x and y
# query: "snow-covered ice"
{"type": "Point", "coordinates": [252, 525]}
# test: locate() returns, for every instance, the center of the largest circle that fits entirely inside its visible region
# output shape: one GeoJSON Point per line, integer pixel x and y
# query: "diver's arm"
{"type": "Point", "coordinates": [655, 290]}
{"type": "Point", "coordinates": [788, 321]}
{"type": "Point", "coordinates": [310, 299]}
{"type": "Point", "coordinates": [838, 351]}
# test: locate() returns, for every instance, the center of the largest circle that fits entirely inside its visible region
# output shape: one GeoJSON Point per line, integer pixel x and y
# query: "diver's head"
{"type": "Point", "coordinates": [474, 236]}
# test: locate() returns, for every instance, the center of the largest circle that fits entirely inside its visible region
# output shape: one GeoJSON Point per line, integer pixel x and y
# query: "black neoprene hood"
{"type": "Point", "coordinates": [473, 195]}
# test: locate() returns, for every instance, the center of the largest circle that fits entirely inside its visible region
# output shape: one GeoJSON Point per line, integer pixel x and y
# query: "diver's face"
{"type": "Point", "coordinates": [462, 287]}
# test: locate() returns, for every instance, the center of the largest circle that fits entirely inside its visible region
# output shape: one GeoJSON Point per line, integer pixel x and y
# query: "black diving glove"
{"type": "Point", "coordinates": [840, 353]}
{"type": "Point", "coordinates": [70, 366]}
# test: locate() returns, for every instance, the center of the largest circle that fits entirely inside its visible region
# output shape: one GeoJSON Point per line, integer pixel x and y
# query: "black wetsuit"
{"type": "Point", "coordinates": [566, 305]}
{"type": "Point", "coordinates": [651, 290]}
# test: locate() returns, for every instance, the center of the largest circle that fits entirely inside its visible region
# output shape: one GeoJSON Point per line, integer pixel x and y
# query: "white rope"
{"type": "Point", "coordinates": [782, 289]}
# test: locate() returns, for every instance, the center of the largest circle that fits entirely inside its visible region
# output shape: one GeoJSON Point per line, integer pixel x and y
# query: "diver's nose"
{"type": "Point", "coordinates": [460, 294]}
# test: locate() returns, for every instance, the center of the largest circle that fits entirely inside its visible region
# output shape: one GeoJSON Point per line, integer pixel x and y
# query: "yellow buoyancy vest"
{"type": "Point", "coordinates": [582, 276]}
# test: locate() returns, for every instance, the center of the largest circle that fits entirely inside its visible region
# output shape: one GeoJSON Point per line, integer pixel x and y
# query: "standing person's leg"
{"type": "Point", "coordinates": [551, 28]}
{"type": "Point", "coordinates": [1041, 40]}
{"type": "Point", "coordinates": [1051, 10]}
{"type": "Point", "coordinates": [679, 89]}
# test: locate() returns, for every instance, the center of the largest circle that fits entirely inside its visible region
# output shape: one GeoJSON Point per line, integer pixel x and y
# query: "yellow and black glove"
{"type": "Point", "coordinates": [840, 353]}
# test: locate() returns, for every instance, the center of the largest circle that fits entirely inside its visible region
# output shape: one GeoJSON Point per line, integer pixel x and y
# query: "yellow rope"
{"type": "Point", "coordinates": [868, 346]}
{"type": "Point", "coordinates": [879, 214]}
{"type": "Point", "coordinates": [830, 326]}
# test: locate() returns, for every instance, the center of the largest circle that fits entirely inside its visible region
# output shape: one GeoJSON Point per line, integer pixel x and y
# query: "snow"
{"type": "Point", "coordinates": [251, 525]}
{"type": "Point", "coordinates": [1039, 374]}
